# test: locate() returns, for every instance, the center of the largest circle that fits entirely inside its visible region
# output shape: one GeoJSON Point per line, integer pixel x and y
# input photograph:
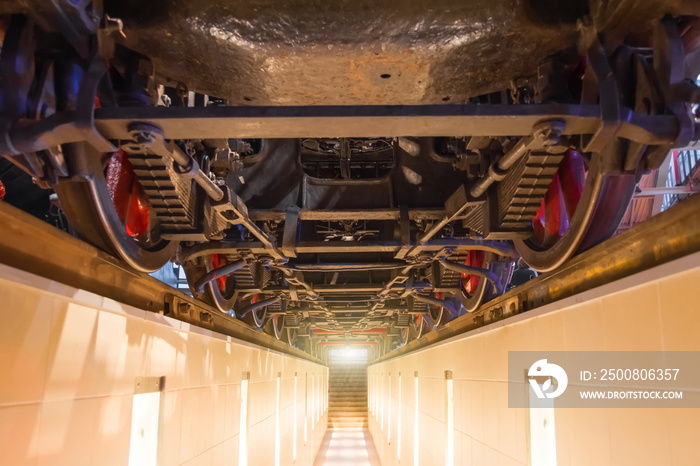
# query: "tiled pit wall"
{"type": "Point", "coordinates": [68, 363]}
{"type": "Point", "coordinates": [655, 310]}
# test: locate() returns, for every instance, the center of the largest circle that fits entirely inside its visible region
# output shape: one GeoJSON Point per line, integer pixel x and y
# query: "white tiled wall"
{"type": "Point", "coordinates": [68, 363]}
{"type": "Point", "coordinates": [655, 310]}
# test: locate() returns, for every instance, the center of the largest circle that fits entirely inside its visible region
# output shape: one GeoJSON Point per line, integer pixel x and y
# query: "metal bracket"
{"type": "Point", "coordinates": [147, 137]}
{"type": "Point", "coordinates": [600, 85]}
{"type": "Point", "coordinates": [669, 64]}
{"type": "Point", "coordinates": [232, 208]}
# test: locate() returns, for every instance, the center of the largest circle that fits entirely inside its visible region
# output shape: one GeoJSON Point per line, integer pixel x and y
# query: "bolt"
{"type": "Point", "coordinates": [548, 132]}
{"type": "Point", "coordinates": [113, 25]}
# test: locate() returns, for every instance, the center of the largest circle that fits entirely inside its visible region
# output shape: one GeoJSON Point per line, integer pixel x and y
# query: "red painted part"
{"type": "Point", "coordinates": [219, 260]}
{"type": "Point", "coordinates": [538, 221]}
{"type": "Point", "coordinates": [120, 177]}
{"type": "Point", "coordinates": [555, 221]}
{"type": "Point", "coordinates": [371, 331]}
{"type": "Point", "coordinates": [321, 331]}
{"type": "Point", "coordinates": [471, 282]}
{"type": "Point", "coordinates": [2, 191]}
{"type": "Point", "coordinates": [351, 343]}
{"type": "Point", "coordinates": [562, 197]}
{"type": "Point", "coordinates": [572, 175]}
{"type": "Point", "coordinates": [138, 216]}
{"type": "Point", "coordinates": [128, 197]}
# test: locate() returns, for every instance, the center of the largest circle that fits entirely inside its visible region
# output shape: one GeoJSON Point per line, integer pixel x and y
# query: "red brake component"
{"type": "Point", "coordinates": [572, 174]}
{"type": "Point", "coordinates": [563, 194]}
{"type": "Point", "coordinates": [139, 212]}
{"type": "Point", "coordinates": [129, 199]}
{"type": "Point", "coordinates": [555, 220]}
{"type": "Point", "coordinates": [2, 191]}
{"type": "Point", "coordinates": [471, 282]}
{"type": "Point", "coordinates": [219, 260]}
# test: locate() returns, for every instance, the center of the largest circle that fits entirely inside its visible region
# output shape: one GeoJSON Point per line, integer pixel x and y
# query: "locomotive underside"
{"type": "Point", "coordinates": [361, 171]}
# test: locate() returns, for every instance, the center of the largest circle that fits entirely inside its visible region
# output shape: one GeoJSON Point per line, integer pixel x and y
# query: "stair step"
{"type": "Point", "coordinates": [347, 397]}
{"type": "Point", "coordinates": [347, 425]}
{"type": "Point", "coordinates": [347, 415]}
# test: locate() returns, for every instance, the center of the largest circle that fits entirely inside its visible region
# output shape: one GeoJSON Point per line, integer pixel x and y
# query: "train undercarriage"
{"type": "Point", "coordinates": [337, 185]}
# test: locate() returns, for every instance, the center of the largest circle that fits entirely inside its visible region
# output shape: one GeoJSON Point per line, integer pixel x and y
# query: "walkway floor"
{"type": "Point", "coordinates": [347, 446]}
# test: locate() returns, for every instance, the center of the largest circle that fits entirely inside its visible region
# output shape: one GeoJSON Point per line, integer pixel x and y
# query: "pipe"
{"type": "Point", "coordinates": [485, 273]}
{"type": "Point", "coordinates": [185, 165]}
{"type": "Point", "coordinates": [437, 302]}
{"type": "Point", "coordinates": [217, 273]}
{"type": "Point", "coordinates": [208, 185]}
{"type": "Point", "coordinates": [260, 304]}
{"type": "Point", "coordinates": [517, 151]}
{"type": "Point", "coordinates": [497, 170]}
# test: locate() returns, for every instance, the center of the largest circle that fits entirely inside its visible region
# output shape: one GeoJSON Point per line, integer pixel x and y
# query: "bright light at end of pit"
{"type": "Point", "coordinates": [347, 354]}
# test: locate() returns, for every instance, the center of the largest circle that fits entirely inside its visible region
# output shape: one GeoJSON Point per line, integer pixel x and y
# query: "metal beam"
{"type": "Point", "coordinates": [676, 190]}
{"type": "Point", "coordinates": [339, 121]}
{"type": "Point", "coordinates": [337, 215]}
{"type": "Point", "coordinates": [347, 121]}
{"type": "Point", "coordinates": [502, 248]}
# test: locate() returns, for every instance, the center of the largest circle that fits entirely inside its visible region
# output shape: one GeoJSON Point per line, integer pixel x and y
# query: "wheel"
{"type": "Point", "coordinates": [414, 330]}
{"type": "Point", "coordinates": [404, 335]}
{"type": "Point", "coordinates": [583, 207]}
{"type": "Point", "coordinates": [290, 335]}
{"type": "Point", "coordinates": [275, 326]}
{"type": "Point", "coordinates": [435, 315]}
{"type": "Point", "coordinates": [256, 318]}
{"type": "Point", "coordinates": [219, 293]}
{"type": "Point", "coordinates": [108, 208]}
{"type": "Point", "coordinates": [222, 291]}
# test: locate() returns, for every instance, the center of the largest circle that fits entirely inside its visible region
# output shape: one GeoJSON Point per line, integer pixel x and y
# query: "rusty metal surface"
{"type": "Point", "coordinates": [36, 247]}
{"type": "Point", "coordinates": [300, 52]}
{"type": "Point", "coordinates": [670, 235]}
{"type": "Point", "coordinates": [352, 52]}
